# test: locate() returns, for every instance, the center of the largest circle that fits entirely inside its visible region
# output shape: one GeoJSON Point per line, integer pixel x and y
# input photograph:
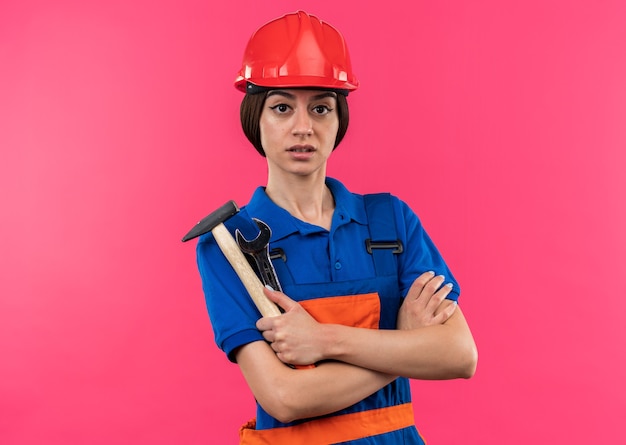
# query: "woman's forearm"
{"type": "Point", "coordinates": [290, 394]}
{"type": "Point", "coordinates": [443, 351]}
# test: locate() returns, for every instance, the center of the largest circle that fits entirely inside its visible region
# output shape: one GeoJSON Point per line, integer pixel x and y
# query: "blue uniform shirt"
{"type": "Point", "coordinates": [320, 264]}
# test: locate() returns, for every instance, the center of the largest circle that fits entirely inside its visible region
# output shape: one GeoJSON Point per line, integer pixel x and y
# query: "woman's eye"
{"type": "Point", "coordinates": [280, 108]}
{"type": "Point", "coordinates": [321, 109]}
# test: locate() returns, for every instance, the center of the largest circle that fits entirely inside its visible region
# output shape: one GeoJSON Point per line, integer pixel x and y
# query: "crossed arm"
{"type": "Point", "coordinates": [433, 341]}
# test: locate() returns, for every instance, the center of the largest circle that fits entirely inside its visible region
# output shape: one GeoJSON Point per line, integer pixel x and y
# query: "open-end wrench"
{"type": "Point", "coordinates": [259, 250]}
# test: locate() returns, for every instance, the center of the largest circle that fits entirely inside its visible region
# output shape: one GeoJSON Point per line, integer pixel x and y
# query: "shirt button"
{"type": "Point", "coordinates": [337, 265]}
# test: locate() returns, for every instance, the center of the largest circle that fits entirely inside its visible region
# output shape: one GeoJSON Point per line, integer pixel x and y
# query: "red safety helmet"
{"type": "Point", "coordinates": [296, 50]}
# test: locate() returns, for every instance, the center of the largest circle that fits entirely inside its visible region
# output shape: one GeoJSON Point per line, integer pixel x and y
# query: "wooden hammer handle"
{"type": "Point", "coordinates": [244, 271]}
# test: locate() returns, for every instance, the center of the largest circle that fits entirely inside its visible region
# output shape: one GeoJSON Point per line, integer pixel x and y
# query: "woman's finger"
{"type": "Point", "coordinates": [418, 285]}
{"type": "Point", "coordinates": [280, 299]}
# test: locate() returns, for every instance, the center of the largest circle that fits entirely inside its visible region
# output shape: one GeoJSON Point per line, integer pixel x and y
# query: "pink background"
{"type": "Point", "coordinates": [502, 123]}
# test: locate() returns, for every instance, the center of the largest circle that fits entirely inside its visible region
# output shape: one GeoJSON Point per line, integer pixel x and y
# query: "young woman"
{"type": "Point", "coordinates": [366, 296]}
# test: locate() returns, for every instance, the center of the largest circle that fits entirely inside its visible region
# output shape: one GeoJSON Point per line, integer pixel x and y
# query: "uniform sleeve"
{"type": "Point", "coordinates": [420, 254]}
{"type": "Point", "coordinates": [231, 310]}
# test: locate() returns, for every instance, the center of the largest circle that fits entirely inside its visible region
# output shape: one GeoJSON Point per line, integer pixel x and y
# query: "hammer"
{"type": "Point", "coordinates": [214, 223]}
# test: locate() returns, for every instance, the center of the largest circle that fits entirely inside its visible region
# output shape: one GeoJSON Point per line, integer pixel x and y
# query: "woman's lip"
{"type": "Point", "coordinates": [301, 153]}
{"type": "Point", "coordinates": [301, 148]}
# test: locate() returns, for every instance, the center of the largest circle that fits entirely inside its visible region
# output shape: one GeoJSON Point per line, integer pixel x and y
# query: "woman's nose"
{"type": "Point", "coordinates": [303, 124]}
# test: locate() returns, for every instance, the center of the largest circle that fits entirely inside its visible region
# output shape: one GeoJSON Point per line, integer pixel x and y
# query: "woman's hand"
{"type": "Point", "coordinates": [295, 336]}
{"type": "Point", "coordinates": [425, 303]}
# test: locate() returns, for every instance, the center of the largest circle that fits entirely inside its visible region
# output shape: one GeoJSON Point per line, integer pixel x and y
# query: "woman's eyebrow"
{"type": "Point", "coordinates": [325, 94]}
{"type": "Point", "coordinates": [281, 93]}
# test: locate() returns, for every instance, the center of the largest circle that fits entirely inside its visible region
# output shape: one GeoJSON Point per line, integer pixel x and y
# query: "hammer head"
{"type": "Point", "coordinates": [209, 222]}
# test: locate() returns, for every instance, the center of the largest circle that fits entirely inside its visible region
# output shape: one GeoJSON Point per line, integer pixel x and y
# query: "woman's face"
{"type": "Point", "coordinates": [298, 130]}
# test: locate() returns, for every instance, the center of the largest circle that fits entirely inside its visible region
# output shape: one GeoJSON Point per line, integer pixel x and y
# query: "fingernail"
{"type": "Point", "coordinates": [450, 285]}
{"type": "Point", "coordinates": [269, 287]}
{"type": "Point", "coordinates": [431, 272]}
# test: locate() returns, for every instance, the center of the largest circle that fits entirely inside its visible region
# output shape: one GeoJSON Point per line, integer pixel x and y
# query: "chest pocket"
{"type": "Point", "coordinates": [360, 311]}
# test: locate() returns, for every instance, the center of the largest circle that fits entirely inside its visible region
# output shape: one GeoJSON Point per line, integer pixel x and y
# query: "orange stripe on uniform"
{"type": "Point", "coordinates": [333, 429]}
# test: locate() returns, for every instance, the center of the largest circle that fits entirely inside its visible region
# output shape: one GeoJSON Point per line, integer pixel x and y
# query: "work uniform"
{"type": "Point", "coordinates": [336, 279]}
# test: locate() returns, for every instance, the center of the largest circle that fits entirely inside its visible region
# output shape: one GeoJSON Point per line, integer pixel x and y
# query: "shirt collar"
{"type": "Point", "coordinates": [348, 207]}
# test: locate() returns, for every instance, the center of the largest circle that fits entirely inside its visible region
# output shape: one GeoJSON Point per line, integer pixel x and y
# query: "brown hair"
{"type": "Point", "coordinates": [252, 107]}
